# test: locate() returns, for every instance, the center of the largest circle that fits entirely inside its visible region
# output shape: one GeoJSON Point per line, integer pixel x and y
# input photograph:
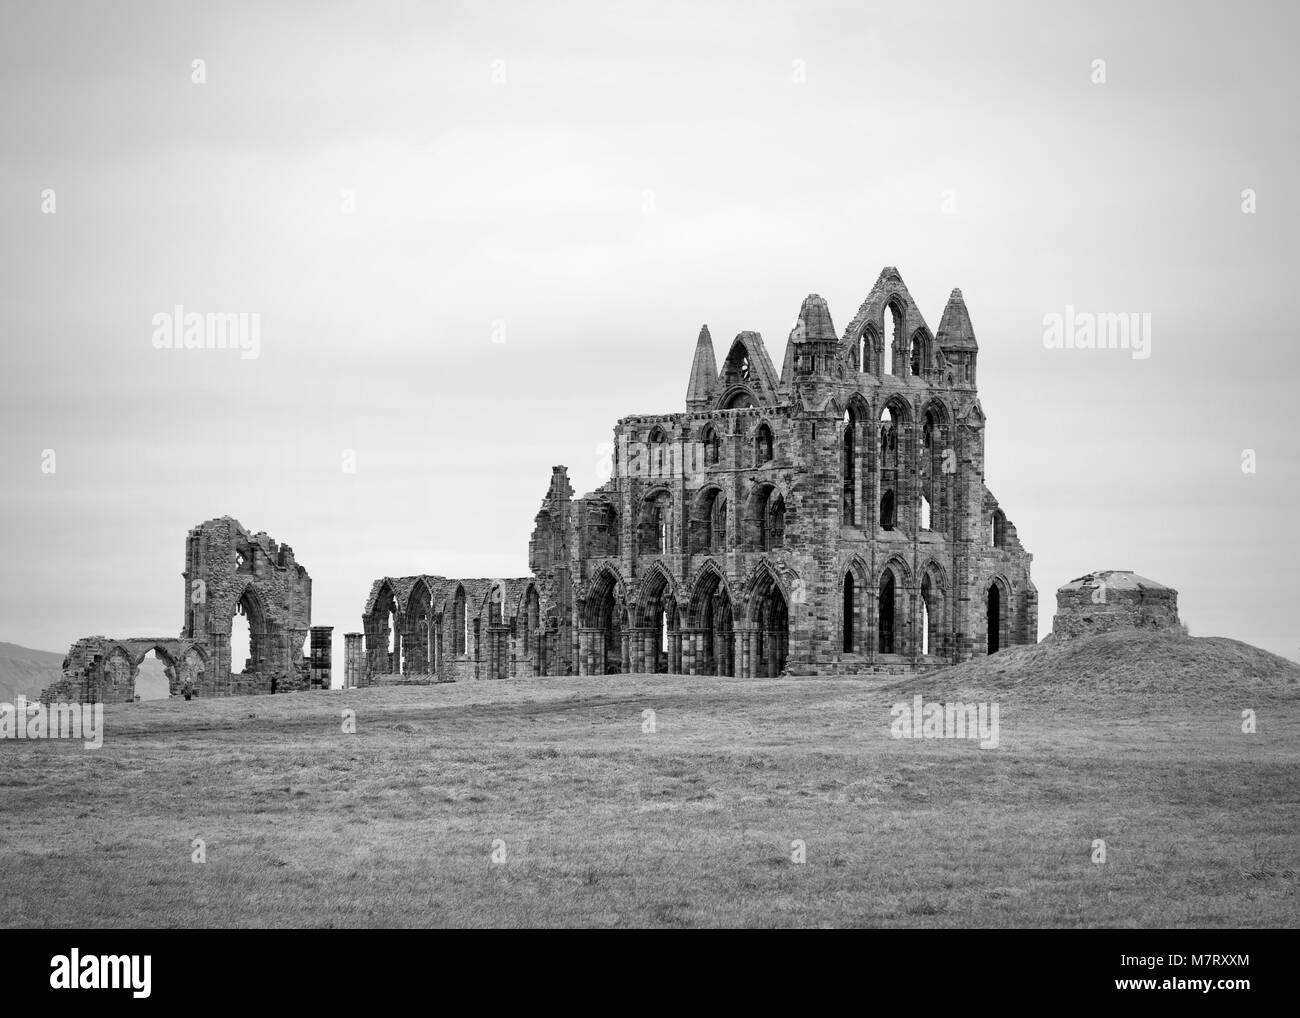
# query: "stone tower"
{"type": "Point", "coordinates": [831, 518]}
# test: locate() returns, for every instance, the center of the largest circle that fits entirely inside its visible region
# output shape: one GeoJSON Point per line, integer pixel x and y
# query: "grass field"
{"type": "Point", "coordinates": [689, 825]}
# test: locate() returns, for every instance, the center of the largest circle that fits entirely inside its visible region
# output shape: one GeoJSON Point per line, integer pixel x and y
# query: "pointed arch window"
{"type": "Point", "coordinates": [888, 519]}
{"type": "Point", "coordinates": [763, 445]}
{"type": "Point", "coordinates": [459, 622]}
{"type": "Point", "coordinates": [712, 446]}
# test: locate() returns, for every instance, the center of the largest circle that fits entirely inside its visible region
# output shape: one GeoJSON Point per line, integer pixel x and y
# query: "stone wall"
{"type": "Point", "coordinates": [1103, 602]}
{"type": "Point", "coordinates": [227, 571]}
{"type": "Point", "coordinates": [100, 669]}
{"type": "Point", "coordinates": [832, 518]}
{"type": "Point", "coordinates": [354, 660]}
{"type": "Point", "coordinates": [423, 629]}
{"type": "Point", "coordinates": [322, 653]}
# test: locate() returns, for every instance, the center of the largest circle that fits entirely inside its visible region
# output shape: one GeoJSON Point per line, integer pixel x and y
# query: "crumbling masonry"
{"type": "Point", "coordinates": [832, 518]}
{"type": "Point", "coordinates": [1111, 600]}
{"type": "Point", "coordinates": [227, 572]}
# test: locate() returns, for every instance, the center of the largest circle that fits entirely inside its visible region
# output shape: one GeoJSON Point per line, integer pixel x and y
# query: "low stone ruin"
{"type": "Point", "coordinates": [1115, 599]}
{"type": "Point", "coordinates": [228, 572]}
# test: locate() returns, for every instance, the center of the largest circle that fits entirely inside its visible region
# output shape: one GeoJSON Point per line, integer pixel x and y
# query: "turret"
{"type": "Point", "coordinates": [702, 388]}
{"type": "Point", "coordinates": [816, 347]}
{"type": "Point", "coordinates": [956, 338]}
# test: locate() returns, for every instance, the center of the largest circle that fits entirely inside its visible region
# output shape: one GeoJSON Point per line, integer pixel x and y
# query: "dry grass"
{"type": "Point", "coordinates": [605, 825]}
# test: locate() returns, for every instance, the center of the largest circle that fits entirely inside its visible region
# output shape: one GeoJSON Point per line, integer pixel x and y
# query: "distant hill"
{"type": "Point", "coordinates": [1152, 665]}
{"type": "Point", "coordinates": [27, 671]}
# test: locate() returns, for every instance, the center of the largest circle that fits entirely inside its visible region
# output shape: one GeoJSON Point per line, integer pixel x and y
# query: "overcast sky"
{"type": "Point", "coordinates": [550, 199]}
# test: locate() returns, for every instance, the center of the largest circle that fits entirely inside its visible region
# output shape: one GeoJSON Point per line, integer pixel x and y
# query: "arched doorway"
{"type": "Point", "coordinates": [995, 610]}
{"type": "Point", "coordinates": [606, 624]}
{"type": "Point", "coordinates": [710, 614]}
{"type": "Point", "coordinates": [152, 681]}
{"type": "Point", "coordinates": [848, 615]}
{"type": "Point", "coordinates": [658, 623]}
{"type": "Point", "coordinates": [885, 620]}
{"type": "Point", "coordinates": [241, 640]}
{"type": "Point", "coordinates": [770, 616]}
{"type": "Point", "coordinates": [248, 651]}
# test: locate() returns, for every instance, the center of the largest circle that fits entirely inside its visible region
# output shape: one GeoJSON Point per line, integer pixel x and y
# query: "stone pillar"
{"type": "Point", "coordinates": [322, 652]}
{"type": "Point", "coordinates": [637, 656]}
{"type": "Point", "coordinates": [354, 660]}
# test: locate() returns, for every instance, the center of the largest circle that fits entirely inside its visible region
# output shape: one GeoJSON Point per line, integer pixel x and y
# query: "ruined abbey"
{"type": "Point", "coordinates": [832, 518]}
{"type": "Point", "coordinates": [228, 572]}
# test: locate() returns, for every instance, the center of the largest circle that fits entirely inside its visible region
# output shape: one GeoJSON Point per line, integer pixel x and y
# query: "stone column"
{"type": "Point", "coordinates": [353, 661]}
{"type": "Point", "coordinates": [639, 660]}
{"type": "Point", "coordinates": [321, 673]}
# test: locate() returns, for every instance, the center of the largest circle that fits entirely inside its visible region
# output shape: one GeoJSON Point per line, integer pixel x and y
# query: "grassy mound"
{"type": "Point", "coordinates": [1155, 666]}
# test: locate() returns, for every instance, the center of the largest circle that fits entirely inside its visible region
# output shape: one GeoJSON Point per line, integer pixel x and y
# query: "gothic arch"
{"type": "Point", "coordinates": [898, 408]}
{"type": "Point", "coordinates": [707, 530]}
{"type": "Point", "coordinates": [854, 594]}
{"type": "Point", "coordinates": [761, 575]}
{"type": "Point", "coordinates": [657, 586]}
{"type": "Point", "coordinates": [418, 629]}
{"type": "Point", "coordinates": [604, 642]}
{"type": "Point", "coordinates": [656, 525]}
{"type": "Point", "coordinates": [737, 397]}
{"type": "Point", "coordinates": [262, 633]}
{"type": "Point", "coordinates": [933, 611]}
{"type": "Point", "coordinates": [920, 357]}
{"type": "Point", "coordinates": [936, 409]}
{"type": "Point", "coordinates": [996, 620]}
{"type": "Point", "coordinates": [710, 580]}
{"type": "Point", "coordinates": [763, 525]}
{"type": "Point", "coordinates": [901, 570]}
{"type": "Point", "coordinates": [711, 440]}
{"type": "Point", "coordinates": [767, 618]}
{"type": "Point", "coordinates": [456, 622]}
{"type": "Point", "coordinates": [607, 580]}
{"type": "Point", "coordinates": [892, 337]}
{"type": "Point", "coordinates": [763, 440]}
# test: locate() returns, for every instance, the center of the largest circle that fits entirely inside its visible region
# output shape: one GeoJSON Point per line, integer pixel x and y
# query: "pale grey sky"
{"type": "Point", "coordinates": [602, 178]}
